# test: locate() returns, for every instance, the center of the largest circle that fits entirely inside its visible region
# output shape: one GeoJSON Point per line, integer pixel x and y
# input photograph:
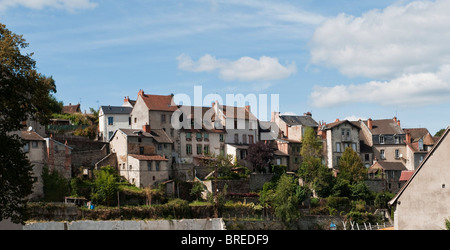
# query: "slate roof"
{"type": "Point", "coordinates": [385, 127]}
{"type": "Point", "coordinates": [334, 124]}
{"type": "Point", "coordinates": [158, 134]}
{"type": "Point", "coordinates": [30, 136]}
{"type": "Point", "coordinates": [116, 110]}
{"type": "Point", "coordinates": [294, 120]}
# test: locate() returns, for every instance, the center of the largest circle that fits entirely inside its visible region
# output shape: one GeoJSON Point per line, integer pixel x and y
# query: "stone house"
{"type": "Point", "coordinates": [111, 118]}
{"type": "Point", "coordinates": [338, 136]}
{"type": "Point", "coordinates": [142, 155]}
{"type": "Point", "coordinates": [386, 138]}
{"type": "Point", "coordinates": [422, 203]}
{"type": "Point", "coordinates": [35, 150]}
{"type": "Point", "coordinates": [293, 126]}
{"type": "Point", "coordinates": [418, 143]}
{"type": "Point", "coordinates": [59, 157]}
{"type": "Point", "coordinates": [291, 130]}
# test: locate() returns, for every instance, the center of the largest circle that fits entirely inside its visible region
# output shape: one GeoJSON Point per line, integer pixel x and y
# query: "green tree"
{"type": "Point", "coordinates": [197, 190]}
{"type": "Point", "coordinates": [312, 145]}
{"type": "Point", "coordinates": [55, 185]}
{"type": "Point", "coordinates": [105, 186]}
{"type": "Point", "coordinates": [351, 167]}
{"type": "Point", "coordinates": [285, 199]}
{"type": "Point", "coordinates": [259, 155]}
{"type": "Point", "coordinates": [24, 93]}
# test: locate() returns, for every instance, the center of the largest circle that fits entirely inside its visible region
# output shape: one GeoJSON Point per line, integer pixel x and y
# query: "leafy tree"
{"type": "Point", "coordinates": [312, 145]}
{"type": "Point", "coordinates": [351, 167]}
{"type": "Point", "coordinates": [24, 93]}
{"type": "Point", "coordinates": [259, 155]}
{"type": "Point", "coordinates": [197, 190]}
{"type": "Point", "coordinates": [285, 200]}
{"type": "Point", "coordinates": [105, 186]}
{"type": "Point", "coordinates": [55, 185]}
{"type": "Point", "coordinates": [440, 132]}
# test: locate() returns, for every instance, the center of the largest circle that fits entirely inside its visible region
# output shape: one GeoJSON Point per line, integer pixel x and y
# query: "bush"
{"type": "Point", "coordinates": [338, 204]}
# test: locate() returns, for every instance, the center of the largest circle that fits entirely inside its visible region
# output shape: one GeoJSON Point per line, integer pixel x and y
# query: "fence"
{"type": "Point", "coordinates": [352, 225]}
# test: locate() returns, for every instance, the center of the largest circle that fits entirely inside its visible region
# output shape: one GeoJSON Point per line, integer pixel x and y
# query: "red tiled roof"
{"type": "Point", "coordinates": [148, 157]}
{"type": "Point", "coordinates": [159, 102]}
{"type": "Point", "coordinates": [406, 174]}
{"type": "Point", "coordinates": [70, 109]}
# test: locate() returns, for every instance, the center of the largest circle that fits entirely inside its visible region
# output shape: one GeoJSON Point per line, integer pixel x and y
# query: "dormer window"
{"type": "Point", "coordinates": [381, 139]}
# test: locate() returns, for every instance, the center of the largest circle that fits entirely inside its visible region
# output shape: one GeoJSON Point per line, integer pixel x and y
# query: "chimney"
{"type": "Point", "coordinates": [275, 116]}
{"type": "Point", "coordinates": [408, 137]}
{"type": "Point", "coordinates": [146, 128]}
{"type": "Point", "coordinates": [398, 122]}
{"type": "Point", "coordinates": [395, 119]}
{"type": "Point", "coordinates": [307, 114]}
{"type": "Point", "coordinates": [247, 108]}
{"type": "Point", "coordinates": [141, 92]}
{"type": "Point", "coordinates": [337, 120]}
{"type": "Point", "coordinates": [369, 123]}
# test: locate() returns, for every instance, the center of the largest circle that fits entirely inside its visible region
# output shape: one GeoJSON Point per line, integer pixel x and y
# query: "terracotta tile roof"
{"type": "Point", "coordinates": [70, 109]}
{"type": "Point", "coordinates": [159, 102]}
{"type": "Point", "coordinates": [148, 157]}
{"type": "Point", "coordinates": [337, 123]}
{"type": "Point", "coordinates": [406, 174]}
{"type": "Point", "coordinates": [386, 165]}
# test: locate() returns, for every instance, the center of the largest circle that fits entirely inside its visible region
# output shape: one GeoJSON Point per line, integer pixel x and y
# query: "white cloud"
{"type": "Point", "coordinates": [400, 39]}
{"type": "Point", "coordinates": [407, 90]}
{"type": "Point", "coordinates": [70, 5]}
{"type": "Point", "coordinates": [243, 69]}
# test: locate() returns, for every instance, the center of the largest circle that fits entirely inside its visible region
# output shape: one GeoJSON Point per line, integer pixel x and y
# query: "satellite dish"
{"type": "Point", "coordinates": [30, 129]}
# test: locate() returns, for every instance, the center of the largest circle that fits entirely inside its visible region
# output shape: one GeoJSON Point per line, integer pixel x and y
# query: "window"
{"type": "Point", "coordinates": [221, 137]}
{"type": "Point", "coordinates": [159, 146]}
{"type": "Point", "coordinates": [381, 139]}
{"type": "Point", "coordinates": [396, 139]}
{"type": "Point", "coordinates": [34, 144]}
{"type": "Point", "coordinates": [188, 149]}
{"type": "Point", "coordinates": [366, 157]}
{"type": "Point", "coordinates": [338, 147]}
{"type": "Point", "coordinates": [354, 146]}
{"type": "Point", "coordinates": [110, 120]}
{"type": "Point", "coordinates": [397, 154]}
{"type": "Point", "coordinates": [206, 136]}
{"type": "Point", "coordinates": [163, 118]}
{"type": "Point", "coordinates": [206, 149]}
{"type": "Point", "coordinates": [199, 149]}
{"type": "Point", "coordinates": [157, 165]}
{"type": "Point", "coordinates": [171, 132]}
{"type": "Point", "coordinates": [198, 136]}
{"type": "Point", "coordinates": [222, 150]}
{"type": "Point", "coordinates": [244, 139]}
{"type": "Point", "coordinates": [188, 136]}
{"type": "Point", "coordinates": [110, 134]}
{"type": "Point", "coordinates": [149, 166]}
{"type": "Point", "coordinates": [250, 139]}
{"type": "Point", "coordinates": [135, 120]}
{"type": "Point", "coordinates": [26, 147]}
{"type": "Point", "coordinates": [129, 120]}
{"type": "Point", "coordinates": [236, 138]}
{"type": "Point", "coordinates": [382, 154]}
{"type": "Point", "coordinates": [141, 150]}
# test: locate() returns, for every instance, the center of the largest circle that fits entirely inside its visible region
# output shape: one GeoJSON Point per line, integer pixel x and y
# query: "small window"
{"type": "Point", "coordinates": [188, 149]}
{"type": "Point", "coordinates": [381, 139]}
{"type": "Point", "coordinates": [26, 147]}
{"type": "Point", "coordinates": [34, 144]}
{"type": "Point", "coordinates": [250, 139]}
{"type": "Point", "coordinates": [110, 120]}
{"type": "Point", "coordinates": [188, 136]}
{"type": "Point", "coordinates": [382, 156]}
{"type": "Point", "coordinates": [206, 149]}
{"type": "Point", "coordinates": [338, 147]}
{"type": "Point", "coordinates": [397, 154]}
{"type": "Point", "coordinates": [149, 166]}
{"type": "Point", "coordinates": [199, 149]}
{"type": "Point", "coordinates": [221, 137]}
{"type": "Point", "coordinates": [141, 150]}
{"type": "Point", "coordinates": [163, 118]}
{"type": "Point", "coordinates": [199, 136]}
{"type": "Point", "coordinates": [206, 136]}
{"type": "Point", "coordinates": [157, 165]}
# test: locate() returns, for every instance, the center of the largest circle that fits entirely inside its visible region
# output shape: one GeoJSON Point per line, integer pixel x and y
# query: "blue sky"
{"type": "Point", "coordinates": [333, 58]}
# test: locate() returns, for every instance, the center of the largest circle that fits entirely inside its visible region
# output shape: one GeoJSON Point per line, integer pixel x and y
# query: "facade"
{"type": "Point", "coordinates": [418, 143]}
{"type": "Point", "coordinates": [111, 118]}
{"type": "Point", "coordinates": [35, 150]}
{"type": "Point", "coordinates": [59, 157]}
{"type": "Point", "coordinates": [292, 126]}
{"type": "Point", "coordinates": [340, 135]}
{"type": "Point", "coordinates": [291, 148]}
{"type": "Point", "coordinates": [142, 155]}
{"type": "Point", "coordinates": [422, 203]}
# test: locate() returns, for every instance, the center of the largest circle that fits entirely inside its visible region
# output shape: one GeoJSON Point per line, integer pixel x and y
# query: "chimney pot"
{"type": "Point", "coordinates": [146, 128]}
{"type": "Point", "coordinates": [369, 123]}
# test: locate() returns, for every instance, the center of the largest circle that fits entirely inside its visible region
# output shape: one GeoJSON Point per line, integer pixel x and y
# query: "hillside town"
{"type": "Point", "coordinates": [139, 140]}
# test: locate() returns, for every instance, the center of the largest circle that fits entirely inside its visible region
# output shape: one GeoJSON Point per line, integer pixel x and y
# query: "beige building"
{"type": "Point", "coordinates": [142, 155]}
{"type": "Point", "coordinates": [35, 150]}
{"type": "Point", "coordinates": [423, 202]}
{"type": "Point", "coordinates": [340, 135]}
